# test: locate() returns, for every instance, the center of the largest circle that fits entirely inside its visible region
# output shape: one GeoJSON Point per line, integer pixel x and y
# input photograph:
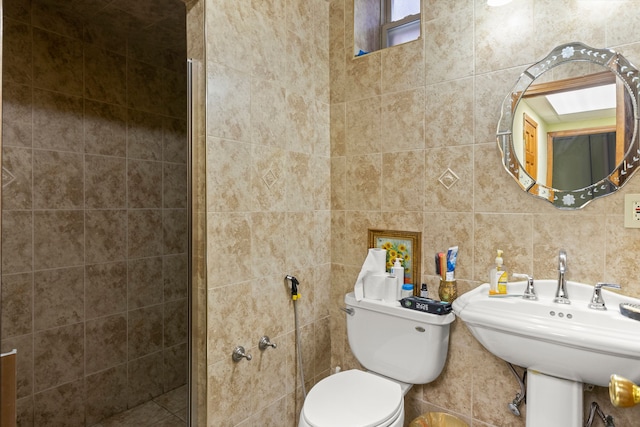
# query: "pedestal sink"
{"type": "Point", "coordinates": [563, 346]}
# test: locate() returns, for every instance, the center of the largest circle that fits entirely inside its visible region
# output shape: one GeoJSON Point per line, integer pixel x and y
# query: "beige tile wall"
{"type": "Point", "coordinates": [94, 290]}
{"type": "Point", "coordinates": [268, 203]}
{"type": "Point", "coordinates": [400, 117]}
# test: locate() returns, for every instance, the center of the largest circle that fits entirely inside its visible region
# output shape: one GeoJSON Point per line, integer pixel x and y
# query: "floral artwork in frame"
{"type": "Point", "coordinates": [400, 244]}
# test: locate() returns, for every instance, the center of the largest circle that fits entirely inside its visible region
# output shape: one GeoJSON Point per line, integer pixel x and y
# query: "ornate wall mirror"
{"type": "Point", "coordinates": [568, 131]}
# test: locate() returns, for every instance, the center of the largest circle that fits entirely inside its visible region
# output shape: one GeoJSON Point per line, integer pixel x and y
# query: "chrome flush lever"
{"type": "Point", "coordinates": [264, 343]}
{"type": "Point", "coordinates": [348, 310]}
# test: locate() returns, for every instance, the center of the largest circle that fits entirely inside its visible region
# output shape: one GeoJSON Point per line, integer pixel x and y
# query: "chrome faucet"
{"type": "Point", "coordinates": [562, 297]}
{"type": "Point", "coordinates": [597, 303]}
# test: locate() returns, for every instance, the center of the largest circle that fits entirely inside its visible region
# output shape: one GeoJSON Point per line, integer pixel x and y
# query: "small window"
{"type": "Point", "coordinates": [400, 22]}
{"type": "Point", "coordinates": [384, 23]}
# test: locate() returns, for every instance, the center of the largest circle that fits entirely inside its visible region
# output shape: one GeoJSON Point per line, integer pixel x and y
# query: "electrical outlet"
{"type": "Point", "coordinates": [632, 210]}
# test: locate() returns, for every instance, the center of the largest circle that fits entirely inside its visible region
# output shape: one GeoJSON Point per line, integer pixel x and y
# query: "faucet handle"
{"type": "Point", "coordinates": [529, 292]}
{"type": "Point", "coordinates": [597, 303]}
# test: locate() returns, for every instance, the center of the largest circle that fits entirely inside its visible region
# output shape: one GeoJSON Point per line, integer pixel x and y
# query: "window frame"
{"type": "Point", "coordinates": [387, 25]}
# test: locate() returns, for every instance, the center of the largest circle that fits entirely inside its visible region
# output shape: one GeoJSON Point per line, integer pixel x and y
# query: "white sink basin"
{"type": "Point", "coordinates": [568, 341]}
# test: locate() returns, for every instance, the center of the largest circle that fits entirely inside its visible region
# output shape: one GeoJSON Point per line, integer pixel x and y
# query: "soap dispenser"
{"type": "Point", "coordinates": [501, 274]}
{"type": "Point", "coordinates": [398, 271]}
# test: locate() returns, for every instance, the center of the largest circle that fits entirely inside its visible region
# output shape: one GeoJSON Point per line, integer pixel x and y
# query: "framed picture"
{"type": "Point", "coordinates": [400, 244]}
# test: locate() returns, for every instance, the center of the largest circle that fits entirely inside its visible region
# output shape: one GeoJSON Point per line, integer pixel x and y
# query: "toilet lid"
{"type": "Point", "coordinates": [353, 398]}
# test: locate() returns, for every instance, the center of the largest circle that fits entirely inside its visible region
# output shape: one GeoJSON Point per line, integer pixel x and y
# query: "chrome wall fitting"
{"type": "Point", "coordinates": [239, 353]}
{"type": "Point", "coordinates": [264, 343]}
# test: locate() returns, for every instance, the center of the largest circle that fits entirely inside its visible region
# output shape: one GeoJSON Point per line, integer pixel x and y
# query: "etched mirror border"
{"type": "Point", "coordinates": [574, 199]}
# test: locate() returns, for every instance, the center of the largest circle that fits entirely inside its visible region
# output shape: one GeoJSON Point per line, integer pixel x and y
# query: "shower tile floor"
{"type": "Point", "coordinates": [167, 410]}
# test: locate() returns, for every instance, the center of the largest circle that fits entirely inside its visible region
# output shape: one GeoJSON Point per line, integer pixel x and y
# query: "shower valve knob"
{"type": "Point", "coordinates": [239, 353]}
{"type": "Point", "coordinates": [265, 342]}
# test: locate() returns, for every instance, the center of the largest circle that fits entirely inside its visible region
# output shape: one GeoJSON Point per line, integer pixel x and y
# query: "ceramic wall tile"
{"type": "Point", "coordinates": [106, 289]}
{"type": "Point", "coordinates": [402, 181]}
{"type": "Point", "coordinates": [448, 113]}
{"type": "Point", "coordinates": [268, 113]}
{"type": "Point", "coordinates": [145, 379]}
{"type": "Point", "coordinates": [403, 120]}
{"type": "Point", "coordinates": [105, 76]}
{"type": "Point", "coordinates": [17, 241]}
{"type": "Point", "coordinates": [17, 305]}
{"type": "Point", "coordinates": [449, 41]}
{"type": "Point", "coordinates": [17, 38]}
{"type": "Point", "coordinates": [144, 282]}
{"type": "Point", "coordinates": [105, 129]}
{"type": "Point", "coordinates": [57, 63]}
{"type": "Point", "coordinates": [58, 356]}
{"type": "Point", "coordinates": [106, 393]}
{"type": "Point", "coordinates": [144, 329]}
{"type": "Point", "coordinates": [57, 180]}
{"type": "Point", "coordinates": [47, 404]}
{"type": "Point", "coordinates": [364, 184]}
{"type": "Point", "coordinates": [144, 236]}
{"type": "Point", "coordinates": [227, 188]}
{"type": "Point", "coordinates": [67, 134]}
{"type": "Point", "coordinates": [58, 297]}
{"type": "Point", "coordinates": [18, 184]}
{"type": "Point", "coordinates": [144, 135]}
{"type": "Point", "coordinates": [228, 103]}
{"type": "Point", "coordinates": [363, 127]}
{"type": "Point", "coordinates": [175, 322]}
{"type": "Point", "coordinates": [57, 121]}
{"type": "Point", "coordinates": [105, 343]}
{"type": "Point", "coordinates": [58, 238]}
{"type": "Point", "coordinates": [449, 179]}
{"type": "Point", "coordinates": [268, 178]}
{"type": "Point", "coordinates": [105, 182]}
{"type": "Point", "coordinates": [17, 129]}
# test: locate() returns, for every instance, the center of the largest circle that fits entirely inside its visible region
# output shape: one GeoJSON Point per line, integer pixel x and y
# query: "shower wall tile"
{"type": "Point", "coordinates": [24, 409]}
{"type": "Point", "coordinates": [228, 103]}
{"type": "Point", "coordinates": [174, 180]}
{"type": "Point", "coordinates": [105, 343]}
{"type": "Point", "coordinates": [145, 379]}
{"type": "Point", "coordinates": [57, 63]}
{"type": "Point", "coordinates": [105, 182]}
{"type": "Point", "coordinates": [143, 190]}
{"type": "Point", "coordinates": [144, 135]}
{"type": "Point", "coordinates": [175, 322]}
{"type": "Point", "coordinates": [17, 126]}
{"type": "Point", "coordinates": [176, 360]}
{"type": "Point", "coordinates": [174, 222]}
{"type": "Point", "coordinates": [105, 394]}
{"type": "Point", "coordinates": [17, 241]}
{"type": "Point", "coordinates": [17, 45]}
{"type": "Point", "coordinates": [58, 238]}
{"type": "Point", "coordinates": [144, 84]}
{"type": "Point", "coordinates": [144, 331]}
{"type": "Point", "coordinates": [58, 297]}
{"type": "Point", "coordinates": [144, 236]}
{"type": "Point", "coordinates": [105, 289]}
{"type": "Point", "coordinates": [144, 282]}
{"type": "Point", "coordinates": [57, 180]}
{"type": "Point", "coordinates": [94, 217]}
{"type": "Point", "coordinates": [105, 76]}
{"type": "Point", "coordinates": [174, 134]}
{"type": "Point", "coordinates": [175, 274]}
{"type": "Point", "coordinates": [47, 405]}
{"type": "Point", "coordinates": [17, 305]}
{"type": "Point", "coordinates": [58, 356]}
{"type": "Point", "coordinates": [17, 191]}
{"type": "Point", "coordinates": [105, 129]}
{"type": "Point", "coordinates": [57, 121]}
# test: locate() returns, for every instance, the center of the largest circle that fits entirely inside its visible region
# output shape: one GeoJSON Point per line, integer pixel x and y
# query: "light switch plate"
{"type": "Point", "coordinates": [632, 210]}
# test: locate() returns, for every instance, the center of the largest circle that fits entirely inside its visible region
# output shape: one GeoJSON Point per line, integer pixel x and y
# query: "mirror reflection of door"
{"type": "Point", "coordinates": [530, 135]}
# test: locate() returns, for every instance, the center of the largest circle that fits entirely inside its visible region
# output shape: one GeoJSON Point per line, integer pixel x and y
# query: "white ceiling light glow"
{"type": "Point", "coordinates": [494, 3]}
{"type": "Point", "coordinates": [578, 101]}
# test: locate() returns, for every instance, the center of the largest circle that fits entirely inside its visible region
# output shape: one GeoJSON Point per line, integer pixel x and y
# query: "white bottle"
{"type": "Point", "coordinates": [398, 271]}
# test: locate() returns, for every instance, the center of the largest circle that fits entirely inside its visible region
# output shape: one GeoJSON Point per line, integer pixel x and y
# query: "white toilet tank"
{"type": "Point", "coordinates": [399, 343]}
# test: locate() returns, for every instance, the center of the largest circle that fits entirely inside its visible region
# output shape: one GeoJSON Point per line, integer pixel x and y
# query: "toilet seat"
{"type": "Point", "coordinates": [353, 399]}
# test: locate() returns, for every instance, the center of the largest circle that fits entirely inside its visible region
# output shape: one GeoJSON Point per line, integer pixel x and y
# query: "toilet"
{"type": "Point", "coordinates": [399, 347]}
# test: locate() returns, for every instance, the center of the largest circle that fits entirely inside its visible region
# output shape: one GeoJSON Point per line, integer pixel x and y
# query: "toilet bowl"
{"type": "Point", "coordinates": [354, 399]}
{"type": "Point", "coordinates": [399, 347]}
